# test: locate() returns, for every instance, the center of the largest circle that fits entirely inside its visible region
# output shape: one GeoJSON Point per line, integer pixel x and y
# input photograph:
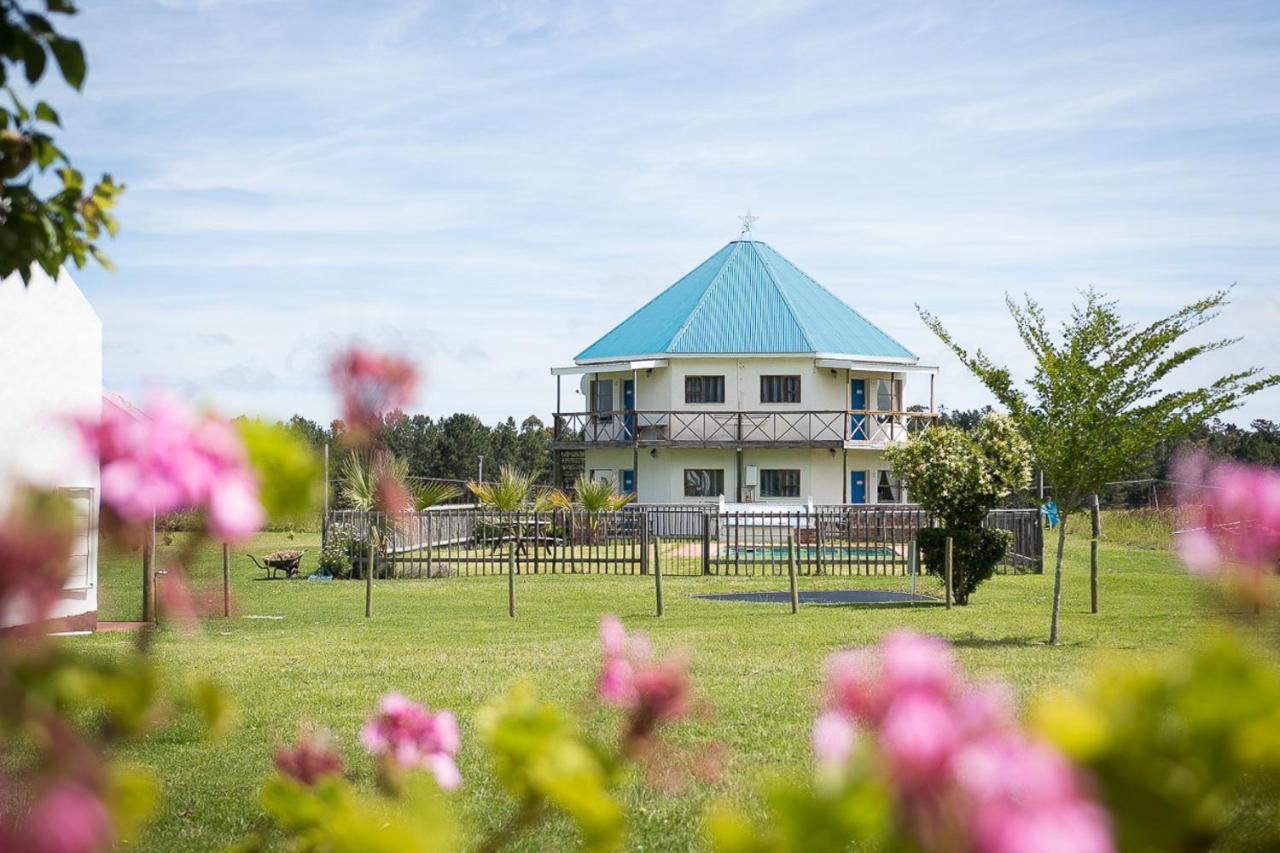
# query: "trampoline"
{"type": "Point", "coordinates": [824, 596]}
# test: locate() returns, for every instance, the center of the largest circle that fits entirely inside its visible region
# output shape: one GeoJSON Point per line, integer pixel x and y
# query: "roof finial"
{"type": "Point", "coordinates": [747, 222]}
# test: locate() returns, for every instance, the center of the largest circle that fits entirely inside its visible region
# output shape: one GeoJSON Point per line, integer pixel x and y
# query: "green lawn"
{"type": "Point", "coordinates": [450, 643]}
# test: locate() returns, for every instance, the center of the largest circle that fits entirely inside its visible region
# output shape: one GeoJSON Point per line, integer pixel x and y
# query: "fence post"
{"type": "Point", "coordinates": [368, 579]}
{"type": "Point", "coordinates": [644, 548]}
{"type": "Point", "coordinates": [657, 569]}
{"type": "Point", "coordinates": [226, 579]}
{"type": "Point", "coordinates": [427, 542]}
{"type": "Point", "coordinates": [913, 566]}
{"type": "Point", "coordinates": [149, 575]}
{"type": "Point", "coordinates": [706, 543]}
{"type": "Point", "coordinates": [817, 539]}
{"type": "Point", "coordinates": [949, 541]}
{"type": "Point", "coordinates": [1096, 518]}
{"type": "Point", "coordinates": [791, 568]}
{"type": "Point", "coordinates": [511, 582]}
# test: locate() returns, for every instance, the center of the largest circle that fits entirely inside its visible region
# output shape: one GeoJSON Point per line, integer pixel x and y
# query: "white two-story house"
{"type": "Point", "coordinates": [745, 379]}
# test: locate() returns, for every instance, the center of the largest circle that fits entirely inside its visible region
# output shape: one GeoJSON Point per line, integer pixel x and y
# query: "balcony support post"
{"type": "Point", "coordinates": [555, 437]}
{"type": "Point", "coordinates": [635, 434]}
{"type": "Point", "coordinates": [844, 477]}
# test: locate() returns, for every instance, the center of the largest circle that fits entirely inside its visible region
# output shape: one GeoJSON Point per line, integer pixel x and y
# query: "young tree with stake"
{"type": "Point", "coordinates": [1095, 403]}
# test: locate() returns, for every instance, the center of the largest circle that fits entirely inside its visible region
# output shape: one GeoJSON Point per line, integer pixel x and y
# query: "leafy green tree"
{"type": "Point", "coordinates": [35, 228]}
{"type": "Point", "coordinates": [1095, 401]}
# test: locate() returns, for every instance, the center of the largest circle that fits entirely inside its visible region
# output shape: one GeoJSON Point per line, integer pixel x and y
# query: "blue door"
{"type": "Point", "coordinates": [857, 487]}
{"type": "Point", "coordinates": [858, 402]}
{"type": "Point", "coordinates": [629, 404]}
{"type": "Point", "coordinates": [628, 481]}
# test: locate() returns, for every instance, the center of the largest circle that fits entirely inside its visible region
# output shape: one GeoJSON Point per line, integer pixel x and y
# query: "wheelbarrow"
{"type": "Point", "coordinates": [288, 562]}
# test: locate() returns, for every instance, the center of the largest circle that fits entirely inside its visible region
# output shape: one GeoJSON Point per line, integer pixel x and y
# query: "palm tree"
{"type": "Point", "coordinates": [429, 493]}
{"type": "Point", "coordinates": [508, 493]}
{"type": "Point", "coordinates": [596, 497]}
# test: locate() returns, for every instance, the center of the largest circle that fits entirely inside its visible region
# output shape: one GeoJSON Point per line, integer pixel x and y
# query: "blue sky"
{"type": "Point", "coordinates": [490, 186]}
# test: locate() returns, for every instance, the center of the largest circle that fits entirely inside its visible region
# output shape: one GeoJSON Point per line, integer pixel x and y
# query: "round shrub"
{"type": "Point", "coordinates": [975, 553]}
{"type": "Point", "coordinates": [336, 560]}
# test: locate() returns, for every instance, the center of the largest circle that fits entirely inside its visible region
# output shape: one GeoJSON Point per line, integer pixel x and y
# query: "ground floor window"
{"type": "Point", "coordinates": [780, 483]}
{"type": "Point", "coordinates": [703, 482]}
{"type": "Point", "coordinates": [604, 474]}
{"type": "Point", "coordinates": [888, 490]}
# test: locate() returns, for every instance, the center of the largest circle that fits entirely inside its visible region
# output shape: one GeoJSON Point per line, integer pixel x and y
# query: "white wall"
{"type": "Point", "coordinates": [661, 475]}
{"type": "Point", "coordinates": [50, 368]}
{"type": "Point", "coordinates": [662, 389]}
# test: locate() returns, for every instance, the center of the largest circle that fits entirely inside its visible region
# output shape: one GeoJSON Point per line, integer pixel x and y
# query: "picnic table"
{"type": "Point", "coordinates": [288, 562]}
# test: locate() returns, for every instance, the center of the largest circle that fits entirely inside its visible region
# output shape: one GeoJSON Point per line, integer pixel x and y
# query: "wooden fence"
{"type": "Point", "coordinates": [687, 539]}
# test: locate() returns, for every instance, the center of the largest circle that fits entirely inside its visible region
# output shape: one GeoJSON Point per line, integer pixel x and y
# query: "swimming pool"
{"type": "Point", "coordinates": [810, 552]}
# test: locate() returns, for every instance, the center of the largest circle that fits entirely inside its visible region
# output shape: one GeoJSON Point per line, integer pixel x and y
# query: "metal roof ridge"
{"type": "Point", "coordinates": [786, 300]}
{"type": "Point", "coordinates": [834, 296]}
{"type": "Point", "coordinates": [697, 307]}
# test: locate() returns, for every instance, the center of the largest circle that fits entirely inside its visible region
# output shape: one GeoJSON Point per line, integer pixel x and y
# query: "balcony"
{"type": "Point", "coordinates": [849, 428]}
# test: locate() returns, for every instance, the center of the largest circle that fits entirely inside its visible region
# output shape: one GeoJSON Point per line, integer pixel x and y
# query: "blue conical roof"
{"type": "Point", "coordinates": [746, 298]}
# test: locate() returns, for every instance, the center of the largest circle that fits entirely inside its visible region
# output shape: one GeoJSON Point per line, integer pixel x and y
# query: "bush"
{"type": "Point", "coordinates": [974, 556]}
{"type": "Point", "coordinates": [352, 544]}
{"type": "Point", "coordinates": [336, 560]}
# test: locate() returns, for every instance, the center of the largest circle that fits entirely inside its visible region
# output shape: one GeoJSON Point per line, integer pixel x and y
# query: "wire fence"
{"type": "Point", "coordinates": [685, 539]}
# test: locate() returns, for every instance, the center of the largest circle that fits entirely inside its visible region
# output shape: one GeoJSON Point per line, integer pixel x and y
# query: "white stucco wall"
{"type": "Point", "coordinates": [662, 388]}
{"type": "Point", "coordinates": [50, 369]}
{"type": "Point", "coordinates": [661, 474]}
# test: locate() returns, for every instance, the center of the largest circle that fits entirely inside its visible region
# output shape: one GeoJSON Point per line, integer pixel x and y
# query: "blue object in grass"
{"type": "Point", "coordinates": [322, 575]}
{"type": "Point", "coordinates": [1050, 510]}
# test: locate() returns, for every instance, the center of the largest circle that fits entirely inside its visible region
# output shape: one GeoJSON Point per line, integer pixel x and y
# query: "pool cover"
{"type": "Point", "coordinates": [823, 596]}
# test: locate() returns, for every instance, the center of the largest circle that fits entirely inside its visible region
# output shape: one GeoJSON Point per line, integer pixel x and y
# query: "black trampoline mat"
{"type": "Point", "coordinates": [822, 596]}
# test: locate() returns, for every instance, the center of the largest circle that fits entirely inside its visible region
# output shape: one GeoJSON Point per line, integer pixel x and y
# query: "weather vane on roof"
{"type": "Point", "coordinates": [747, 222]}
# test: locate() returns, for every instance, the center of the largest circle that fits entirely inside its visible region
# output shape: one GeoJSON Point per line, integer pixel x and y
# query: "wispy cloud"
{"type": "Point", "coordinates": [491, 186]}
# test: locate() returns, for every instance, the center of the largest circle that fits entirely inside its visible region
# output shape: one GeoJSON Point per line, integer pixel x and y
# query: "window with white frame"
{"type": "Point", "coordinates": [602, 395]}
{"type": "Point", "coordinates": [703, 482]}
{"type": "Point", "coordinates": [780, 482]}
{"type": "Point", "coordinates": [605, 474]}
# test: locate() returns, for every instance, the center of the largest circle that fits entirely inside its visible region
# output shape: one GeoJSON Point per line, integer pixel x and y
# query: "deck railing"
{"type": "Point", "coordinates": [650, 428]}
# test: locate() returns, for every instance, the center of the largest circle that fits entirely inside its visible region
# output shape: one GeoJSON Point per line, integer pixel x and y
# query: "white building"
{"type": "Point", "coordinates": [51, 369]}
{"type": "Point", "coordinates": [745, 379]}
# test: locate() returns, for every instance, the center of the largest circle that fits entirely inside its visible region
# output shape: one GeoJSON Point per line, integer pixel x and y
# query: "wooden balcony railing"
{"type": "Point", "coordinates": [845, 427]}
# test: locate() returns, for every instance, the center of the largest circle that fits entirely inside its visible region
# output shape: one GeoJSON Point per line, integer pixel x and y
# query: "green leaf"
{"type": "Point", "coordinates": [44, 112]}
{"type": "Point", "coordinates": [32, 59]}
{"type": "Point", "coordinates": [70, 57]}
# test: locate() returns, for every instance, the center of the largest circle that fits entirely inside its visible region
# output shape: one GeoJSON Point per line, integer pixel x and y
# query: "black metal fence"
{"type": "Point", "coordinates": [687, 539]}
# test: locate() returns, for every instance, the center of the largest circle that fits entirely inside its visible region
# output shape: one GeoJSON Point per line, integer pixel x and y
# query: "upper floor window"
{"type": "Point", "coordinates": [780, 482]}
{"type": "Point", "coordinates": [704, 389]}
{"type": "Point", "coordinates": [602, 395]}
{"type": "Point", "coordinates": [703, 482]}
{"type": "Point", "coordinates": [779, 389]}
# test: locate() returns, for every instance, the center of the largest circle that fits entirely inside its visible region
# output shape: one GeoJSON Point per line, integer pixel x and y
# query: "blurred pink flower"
{"type": "Point", "coordinates": [409, 735]}
{"type": "Point", "coordinates": [371, 384]}
{"type": "Point", "coordinates": [169, 460]}
{"type": "Point", "coordinates": [834, 737]}
{"type": "Point", "coordinates": [69, 818]}
{"type": "Point", "coordinates": [35, 549]}
{"type": "Point", "coordinates": [652, 691]}
{"type": "Point", "coordinates": [312, 757]}
{"type": "Point", "coordinates": [1232, 512]}
{"type": "Point", "coordinates": [965, 775]}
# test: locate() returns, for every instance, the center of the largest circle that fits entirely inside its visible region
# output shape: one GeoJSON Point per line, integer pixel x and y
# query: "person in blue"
{"type": "Point", "coordinates": [1050, 511]}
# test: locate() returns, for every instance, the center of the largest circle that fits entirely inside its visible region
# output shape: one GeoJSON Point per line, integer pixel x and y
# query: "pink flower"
{"type": "Point", "coordinates": [311, 758]}
{"type": "Point", "coordinates": [70, 818]}
{"type": "Point", "coordinates": [169, 460]}
{"type": "Point", "coordinates": [918, 737]}
{"type": "Point", "coordinates": [35, 549]}
{"type": "Point", "coordinates": [964, 774]}
{"type": "Point", "coordinates": [371, 384]}
{"type": "Point", "coordinates": [409, 735]}
{"type": "Point", "coordinates": [1232, 517]}
{"type": "Point", "coordinates": [652, 691]}
{"type": "Point", "coordinates": [833, 738]}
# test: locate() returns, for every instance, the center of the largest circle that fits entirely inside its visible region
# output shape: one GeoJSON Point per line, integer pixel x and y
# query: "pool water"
{"type": "Point", "coordinates": [810, 552]}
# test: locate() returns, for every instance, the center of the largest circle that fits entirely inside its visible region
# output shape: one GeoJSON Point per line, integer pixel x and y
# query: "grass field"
{"type": "Point", "coordinates": [450, 643]}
